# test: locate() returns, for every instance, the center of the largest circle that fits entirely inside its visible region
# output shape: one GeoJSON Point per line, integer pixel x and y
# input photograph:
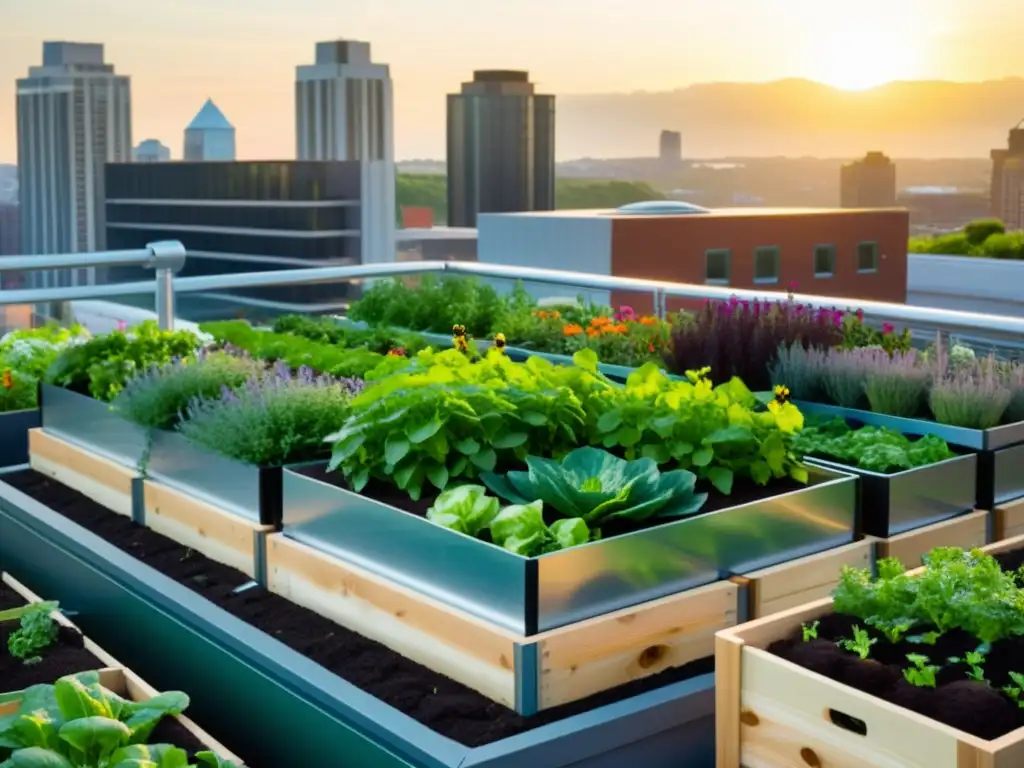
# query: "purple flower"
{"type": "Point", "coordinates": [887, 328]}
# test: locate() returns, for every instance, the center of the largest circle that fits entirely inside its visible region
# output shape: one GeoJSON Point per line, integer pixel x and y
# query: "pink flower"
{"type": "Point", "coordinates": [122, 325]}
{"type": "Point", "coordinates": [793, 285]}
{"type": "Point", "coordinates": [887, 328]}
{"type": "Point", "coordinates": [860, 315]}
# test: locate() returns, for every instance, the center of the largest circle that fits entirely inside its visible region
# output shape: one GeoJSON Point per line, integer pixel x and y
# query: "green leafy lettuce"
{"type": "Point", "coordinates": [597, 487]}
{"type": "Point", "coordinates": [876, 449]}
{"type": "Point", "coordinates": [77, 723]}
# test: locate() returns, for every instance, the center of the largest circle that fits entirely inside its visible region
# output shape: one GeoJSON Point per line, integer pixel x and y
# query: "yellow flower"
{"type": "Point", "coordinates": [499, 340]}
{"type": "Point", "coordinates": [781, 391]}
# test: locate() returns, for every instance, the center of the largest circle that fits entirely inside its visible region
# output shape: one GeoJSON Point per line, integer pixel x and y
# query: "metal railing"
{"type": "Point", "coordinates": [168, 257]}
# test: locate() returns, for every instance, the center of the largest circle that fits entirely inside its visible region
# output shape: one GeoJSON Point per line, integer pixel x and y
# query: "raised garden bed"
{"type": "Point", "coordinates": [232, 664]}
{"type": "Point", "coordinates": [1008, 520]}
{"type": "Point", "coordinates": [73, 653]}
{"type": "Point", "coordinates": [1000, 450]}
{"type": "Point", "coordinates": [971, 530]}
{"type": "Point", "coordinates": [774, 713]}
{"type": "Point", "coordinates": [530, 595]}
{"type": "Point", "coordinates": [14, 428]}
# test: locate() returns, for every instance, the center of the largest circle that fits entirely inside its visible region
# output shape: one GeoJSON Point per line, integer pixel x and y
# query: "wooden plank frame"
{"type": "Point", "coordinates": [528, 674]}
{"type": "Point", "coordinates": [216, 533]}
{"type": "Point", "coordinates": [99, 478]}
{"type": "Point", "coordinates": [771, 713]}
{"type": "Point", "coordinates": [966, 531]}
{"type": "Point", "coordinates": [1008, 520]}
{"type": "Point", "coordinates": [113, 676]}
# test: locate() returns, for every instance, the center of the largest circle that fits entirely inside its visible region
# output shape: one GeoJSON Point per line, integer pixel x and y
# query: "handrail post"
{"type": "Point", "coordinates": [166, 258]}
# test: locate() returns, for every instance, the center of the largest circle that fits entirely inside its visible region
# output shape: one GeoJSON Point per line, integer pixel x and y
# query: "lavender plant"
{"type": "Point", "coordinates": [277, 417]}
{"type": "Point", "coordinates": [845, 372]}
{"type": "Point", "coordinates": [1014, 377]}
{"type": "Point", "coordinates": [803, 371]}
{"type": "Point", "coordinates": [158, 397]}
{"type": "Point", "coordinates": [970, 394]}
{"type": "Point", "coordinates": [898, 385]}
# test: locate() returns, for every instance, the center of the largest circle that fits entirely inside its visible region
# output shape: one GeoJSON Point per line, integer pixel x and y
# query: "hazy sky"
{"type": "Point", "coordinates": [243, 53]}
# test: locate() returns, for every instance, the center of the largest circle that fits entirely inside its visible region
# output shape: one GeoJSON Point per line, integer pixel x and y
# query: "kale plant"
{"type": "Point", "coordinates": [277, 417]}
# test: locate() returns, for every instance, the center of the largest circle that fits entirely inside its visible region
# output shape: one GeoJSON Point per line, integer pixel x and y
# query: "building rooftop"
{"type": "Point", "coordinates": [210, 118]}
{"type": "Point", "coordinates": [406, 234]}
{"type": "Point", "coordinates": [700, 213]}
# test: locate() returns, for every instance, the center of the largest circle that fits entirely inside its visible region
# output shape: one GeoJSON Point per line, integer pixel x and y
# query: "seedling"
{"type": "Point", "coordinates": [810, 631]}
{"type": "Point", "coordinates": [922, 674]}
{"type": "Point", "coordinates": [927, 638]}
{"type": "Point", "coordinates": [861, 643]}
{"type": "Point", "coordinates": [974, 660]}
{"type": "Point", "coordinates": [1014, 691]}
{"type": "Point", "coordinates": [893, 630]}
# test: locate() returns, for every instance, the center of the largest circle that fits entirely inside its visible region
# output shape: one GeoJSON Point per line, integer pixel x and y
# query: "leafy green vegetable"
{"type": "Point", "coordinates": [77, 723]}
{"type": "Point", "coordinates": [521, 529]}
{"type": "Point", "coordinates": [466, 509]}
{"type": "Point", "coordinates": [922, 674]}
{"type": "Point", "coordinates": [860, 644]}
{"type": "Point", "coordinates": [876, 449]}
{"type": "Point", "coordinates": [598, 487]}
{"type": "Point", "coordinates": [1014, 691]}
{"type": "Point", "coordinates": [809, 631]}
{"type": "Point", "coordinates": [36, 632]}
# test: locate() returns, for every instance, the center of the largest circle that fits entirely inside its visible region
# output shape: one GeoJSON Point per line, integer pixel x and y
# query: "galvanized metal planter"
{"type": "Point", "coordinates": [236, 674]}
{"type": "Point", "coordinates": [902, 501]}
{"type": "Point", "coordinates": [531, 595]}
{"type": "Point", "coordinates": [14, 427]}
{"type": "Point", "coordinates": [89, 423]}
{"type": "Point", "coordinates": [1000, 449]}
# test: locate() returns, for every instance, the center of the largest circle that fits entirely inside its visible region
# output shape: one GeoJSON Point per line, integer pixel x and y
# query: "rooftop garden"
{"type": "Point", "coordinates": [986, 238]}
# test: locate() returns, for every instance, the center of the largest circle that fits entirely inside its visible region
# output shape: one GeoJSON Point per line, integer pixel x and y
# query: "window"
{"type": "Point", "coordinates": [717, 266]}
{"type": "Point", "coordinates": [766, 264]}
{"type": "Point", "coordinates": [824, 260]}
{"type": "Point", "coordinates": [867, 257]}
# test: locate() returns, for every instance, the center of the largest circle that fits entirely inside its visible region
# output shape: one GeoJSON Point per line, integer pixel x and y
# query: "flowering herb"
{"type": "Point", "coordinates": [277, 417]}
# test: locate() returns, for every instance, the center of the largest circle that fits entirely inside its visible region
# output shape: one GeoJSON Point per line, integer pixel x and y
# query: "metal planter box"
{"type": "Point", "coordinates": [14, 427]}
{"type": "Point", "coordinates": [890, 504]}
{"type": "Point", "coordinates": [236, 674]}
{"type": "Point", "coordinates": [1000, 449]}
{"type": "Point", "coordinates": [89, 423]}
{"type": "Point", "coordinates": [531, 595]}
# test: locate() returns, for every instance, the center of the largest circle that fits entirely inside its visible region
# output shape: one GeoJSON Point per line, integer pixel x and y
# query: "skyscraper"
{"type": "Point", "coordinates": [670, 147]}
{"type": "Point", "coordinates": [209, 136]}
{"type": "Point", "coordinates": [343, 111]}
{"type": "Point", "coordinates": [1008, 180]}
{"type": "Point", "coordinates": [868, 183]}
{"type": "Point", "coordinates": [501, 147]}
{"type": "Point", "coordinates": [74, 115]}
{"type": "Point", "coordinates": [151, 151]}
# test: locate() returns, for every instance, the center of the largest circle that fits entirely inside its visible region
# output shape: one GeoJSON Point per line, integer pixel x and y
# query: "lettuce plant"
{"type": "Point", "coordinates": [521, 529]}
{"type": "Point", "coordinates": [466, 509]}
{"type": "Point", "coordinates": [36, 632]}
{"type": "Point", "coordinates": [598, 487]}
{"type": "Point", "coordinates": [876, 449]}
{"type": "Point", "coordinates": [77, 723]}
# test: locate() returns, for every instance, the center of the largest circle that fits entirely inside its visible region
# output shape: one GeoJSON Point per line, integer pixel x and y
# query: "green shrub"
{"type": "Point", "coordinates": [1004, 246]}
{"type": "Point", "coordinates": [977, 232]}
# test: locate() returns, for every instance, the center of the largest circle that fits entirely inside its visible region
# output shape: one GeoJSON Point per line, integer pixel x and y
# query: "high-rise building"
{"type": "Point", "coordinates": [209, 136]}
{"type": "Point", "coordinates": [74, 115]}
{"type": "Point", "coordinates": [670, 147]}
{"type": "Point", "coordinates": [501, 147]}
{"type": "Point", "coordinates": [240, 217]}
{"type": "Point", "coordinates": [1008, 180]}
{"type": "Point", "coordinates": [343, 111]}
{"type": "Point", "coordinates": [151, 151]}
{"type": "Point", "coordinates": [10, 226]}
{"type": "Point", "coordinates": [868, 183]}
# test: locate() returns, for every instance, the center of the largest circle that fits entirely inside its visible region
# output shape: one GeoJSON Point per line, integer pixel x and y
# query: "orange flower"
{"type": "Point", "coordinates": [8, 380]}
{"type": "Point", "coordinates": [600, 322]}
{"type": "Point", "coordinates": [615, 329]}
{"type": "Point", "coordinates": [541, 314]}
{"type": "Point", "coordinates": [649, 320]}
{"type": "Point", "coordinates": [572, 330]}
{"type": "Point", "coordinates": [592, 332]}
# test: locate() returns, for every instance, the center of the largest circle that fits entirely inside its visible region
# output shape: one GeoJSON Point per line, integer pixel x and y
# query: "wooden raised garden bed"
{"type": "Point", "coordinates": [967, 531]}
{"type": "Point", "coordinates": [1008, 520]}
{"type": "Point", "coordinates": [772, 713]}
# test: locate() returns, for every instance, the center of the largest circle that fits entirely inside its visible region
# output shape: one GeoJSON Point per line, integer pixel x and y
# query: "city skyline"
{"type": "Point", "coordinates": [243, 54]}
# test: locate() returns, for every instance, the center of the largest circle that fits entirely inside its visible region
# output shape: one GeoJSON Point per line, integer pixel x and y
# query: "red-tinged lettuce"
{"type": "Point", "coordinates": [599, 487]}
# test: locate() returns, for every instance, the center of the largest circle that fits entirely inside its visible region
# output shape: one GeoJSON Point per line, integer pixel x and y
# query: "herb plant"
{"type": "Point", "coordinates": [599, 488]}
{"type": "Point", "coordinates": [876, 449]}
{"type": "Point", "coordinates": [157, 398]}
{"type": "Point", "coordinates": [278, 417]}
{"type": "Point", "coordinates": [922, 673]}
{"type": "Point", "coordinates": [102, 366]}
{"type": "Point", "coordinates": [37, 630]}
{"type": "Point", "coordinates": [77, 723]}
{"type": "Point", "coordinates": [860, 644]}
{"type": "Point", "coordinates": [810, 631]}
{"type": "Point", "coordinates": [379, 340]}
{"type": "Point", "coordinates": [1014, 691]}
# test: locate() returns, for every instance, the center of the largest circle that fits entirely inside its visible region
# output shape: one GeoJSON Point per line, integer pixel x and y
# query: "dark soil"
{"type": "Point", "coordinates": [441, 704]}
{"type": "Point", "coordinates": [958, 701]}
{"type": "Point", "coordinates": [66, 657]}
{"type": "Point", "coordinates": [744, 491]}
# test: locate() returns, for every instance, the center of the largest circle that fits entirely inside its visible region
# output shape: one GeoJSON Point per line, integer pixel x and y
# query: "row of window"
{"type": "Point", "coordinates": [767, 263]}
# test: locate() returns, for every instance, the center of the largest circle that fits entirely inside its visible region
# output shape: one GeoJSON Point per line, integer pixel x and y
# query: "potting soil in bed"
{"type": "Point", "coordinates": [68, 656]}
{"type": "Point", "coordinates": [974, 707]}
{"type": "Point", "coordinates": [443, 705]}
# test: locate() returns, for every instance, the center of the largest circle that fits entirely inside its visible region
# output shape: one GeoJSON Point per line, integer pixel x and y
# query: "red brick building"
{"type": "Point", "coordinates": [846, 253]}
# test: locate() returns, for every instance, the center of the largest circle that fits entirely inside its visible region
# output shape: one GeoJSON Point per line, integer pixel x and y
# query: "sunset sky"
{"type": "Point", "coordinates": [243, 53]}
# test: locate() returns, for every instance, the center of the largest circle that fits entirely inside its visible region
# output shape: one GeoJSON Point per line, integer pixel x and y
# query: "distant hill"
{"type": "Point", "coordinates": [794, 118]}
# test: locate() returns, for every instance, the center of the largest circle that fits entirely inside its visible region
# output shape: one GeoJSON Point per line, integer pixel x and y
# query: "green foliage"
{"type": "Point", "coordinates": [860, 644]}
{"type": "Point", "coordinates": [277, 418]}
{"type": "Point", "coordinates": [980, 230]}
{"type": "Point", "coordinates": [36, 632]}
{"type": "Point", "coordinates": [598, 487]}
{"type": "Point", "coordinates": [1014, 691]}
{"type": "Point", "coordinates": [809, 631]}
{"type": "Point", "coordinates": [876, 449]}
{"type": "Point", "coordinates": [956, 590]}
{"type": "Point", "coordinates": [1004, 246]}
{"type": "Point", "coordinates": [466, 509]}
{"type": "Point", "coordinates": [423, 190]}
{"type": "Point", "coordinates": [24, 357]}
{"type": "Point", "coordinates": [102, 366]}
{"type": "Point", "coordinates": [158, 397]}
{"type": "Point", "coordinates": [521, 529]}
{"type": "Point", "coordinates": [19, 391]}
{"type": "Point", "coordinates": [986, 238]}
{"type": "Point", "coordinates": [296, 351]}
{"type": "Point", "coordinates": [380, 340]}
{"type": "Point", "coordinates": [434, 304]}
{"type": "Point", "coordinates": [77, 723]}
{"type": "Point", "coordinates": [922, 674]}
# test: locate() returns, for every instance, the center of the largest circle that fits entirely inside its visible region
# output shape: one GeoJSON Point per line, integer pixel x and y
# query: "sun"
{"type": "Point", "coordinates": [856, 57]}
